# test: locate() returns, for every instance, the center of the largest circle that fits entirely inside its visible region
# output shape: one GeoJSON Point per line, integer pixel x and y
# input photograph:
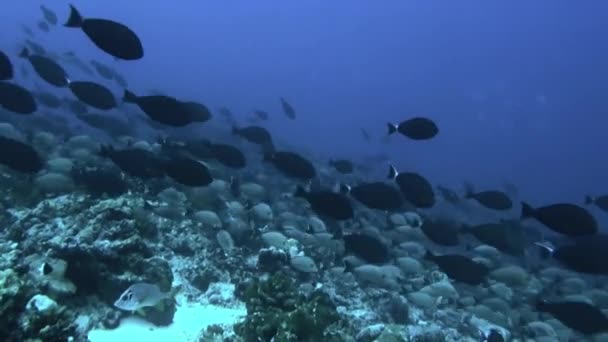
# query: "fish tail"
{"type": "Point", "coordinates": [129, 96]}
{"type": "Point", "coordinates": [526, 210]}
{"type": "Point", "coordinates": [392, 172]}
{"type": "Point", "coordinates": [75, 19]}
{"type": "Point", "coordinates": [392, 128]}
{"type": "Point", "coordinates": [589, 200]}
{"type": "Point", "coordinates": [25, 53]}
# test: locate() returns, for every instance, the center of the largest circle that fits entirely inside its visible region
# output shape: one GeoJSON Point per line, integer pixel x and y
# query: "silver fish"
{"type": "Point", "coordinates": [141, 295]}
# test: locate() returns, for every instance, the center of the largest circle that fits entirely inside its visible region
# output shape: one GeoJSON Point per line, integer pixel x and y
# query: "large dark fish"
{"type": "Point", "coordinates": [327, 203]}
{"type": "Point", "coordinates": [291, 164]}
{"type": "Point", "coordinates": [415, 128]}
{"type": "Point", "coordinates": [491, 199]}
{"type": "Point", "coordinates": [198, 111]}
{"type": "Point", "coordinates": [49, 15]}
{"type": "Point", "coordinates": [366, 247]}
{"type": "Point", "coordinates": [415, 188]}
{"type": "Point", "coordinates": [342, 165]}
{"type": "Point", "coordinates": [564, 218]}
{"type": "Point", "coordinates": [585, 255]}
{"type": "Point", "coordinates": [135, 162]}
{"type": "Point", "coordinates": [582, 317]}
{"type": "Point", "coordinates": [114, 38]}
{"type": "Point", "coordinates": [507, 237]}
{"type": "Point", "coordinates": [600, 201]}
{"type": "Point", "coordinates": [228, 155]}
{"type": "Point", "coordinates": [188, 172]}
{"type": "Point", "coordinates": [16, 99]}
{"type": "Point", "coordinates": [46, 68]}
{"type": "Point", "coordinates": [93, 94]}
{"type": "Point", "coordinates": [441, 232]}
{"type": "Point", "coordinates": [288, 109]}
{"type": "Point", "coordinates": [19, 156]}
{"type": "Point", "coordinates": [6, 67]}
{"type": "Point", "coordinates": [160, 108]}
{"type": "Point", "coordinates": [376, 195]}
{"type": "Point", "coordinates": [460, 268]}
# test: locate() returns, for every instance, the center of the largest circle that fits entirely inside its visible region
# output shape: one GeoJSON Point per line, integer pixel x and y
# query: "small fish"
{"type": "Point", "coordinates": [327, 203]}
{"type": "Point", "coordinates": [460, 268]}
{"type": "Point", "coordinates": [49, 15]}
{"type": "Point", "coordinates": [582, 317]}
{"type": "Point", "coordinates": [112, 37]}
{"type": "Point", "coordinates": [600, 201]}
{"type": "Point", "coordinates": [19, 156]}
{"type": "Point", "coordinates": [16, 99]}
{"type": "Point", "coordinates": [254, 134]}
{"type": "Point", "coordinates": [564, 218]}
{"type": "Point", "coordinates": [6, 67]}
{"type": "Point", "coordinates": [228, 155]}
{"type": "Point", "coordinates": [415, 188]}
{"type": "Point", "coordinates": [93, 94]}
{"type": "Point", "coordinates": [135, 162]}
{"type": "Point", "coordinates": [366, 247]}
{"type": "Point", "coordinates": [260, 114]}
{"type": "Point", "coordinates": [288, 109]}
{"type": "Point", "coordinates": [43, 26]}
{"type": "Point", "coordinates": [291, 164]}
{"type": "Point", "coordinates": [416, 128]}
{"type": "Point", "coordinates": [141, 295]}
{"type": "Point", "coordinates": [160, 108]}
{"type": "Point", "coordinates": [342, 165]}
{"type": "Point", "coordinates": [375, 195]}
{"type": "Point", "coordinates": [491, 199]}
{"type": "Point", "coordinates": [441, 232]}
{"type": "Point", "coordinates": [188, 171]}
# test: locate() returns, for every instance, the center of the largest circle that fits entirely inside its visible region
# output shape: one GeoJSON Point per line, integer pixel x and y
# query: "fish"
{"type": "Point", "coordinates": [366, 247]}
{"type": "Point", "coordinates": [327, 203]}
{"type": "Point", "coordinates": [98, 182]}
{"type": "Point", "coordinates": [491, 199]}
{"type": "Point", "coordinates": [417, 128]}
{"type": "Point", "coordinates": [415, 188]}
{"type": "Point", "coordinates": [375, 195]}
{"type": "Point", "coordinates": [103, 70]}
{"type": "Point", "coordinates": [93, 94]}
{"type": "Point", "coordinates": [260, 114]}
{"type": "Point", "coordinates": [19, 156]}
{"type": "Point", "coordinates": [46, 68]}
{"type": "Point", "coordinates": [142, 295]}
{"type": "Point", "coordinates": [441, 232]}
{"type": "Point", "coordinates": [76, 106]}
{"type": "Point", "coordinates": [49, 15]}
{"type": "Point", "coordinates": [584, 255]}
{"type": "Point", "coordinates": [16, 99]}
{"type": "Point", "coordinates": [43, 26]}
{"type": "Point", "coordinates": [288, 109]}
{"type": "Point", "coordinates": [254, 134]}
{"type": "Point", "coordinates": [188, 171]}
{"type": "Point", "coordinates": [460, 268]}
{"type": "Point", "coordinates": [600, 201]}
{"type": "Point", "coordinates": [112, 37]}
{"type": "Point", "coordinates": [27, 30]}
{"type": "Point", "coordinates": [342, 165]}
{"type": "Point", "coordinates": [228, 155]}
{"type": "Point", "coordinates": [160, 108]}
{"type": "Point", "coordinates": [564, 218]}
{"type": "Point", "coordinates": [448, 194]}
{"type": "Point", "coordinates": [582, 317]}
{"type": "Point", "coordinates": [108, 123]}
{"type": "Point", "coordinates": [48, 99]}
{"type": "Point", "coordinates": [507, 237]}
{"type": "Point", "coordinates": [291, 164]}
{"type": "Point", "coordinates": [198, 111]}
{"type": "Point", "coordinates": [6, 67]}
{"type": "Point", "coordinates": [37, 48]}
{"type": "Point", "coordinates": [135, 162]}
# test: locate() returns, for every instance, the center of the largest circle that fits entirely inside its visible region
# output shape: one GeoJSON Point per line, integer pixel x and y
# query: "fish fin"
{"type": "Point", "coordinates": [392, 172]}
{"type": "Point", "coordinates": [75, 19]}
{"type": "Point", "coordinates": [392, 128]}
{"type": "Point", "coordinates": [25, 53]}
{"type": "Point", "coordinates": [589, 200]}
{"type": "Point", "coordinates": [129, 96]}
{"type": "Point", "coordinates": [526, 210]}
{"type": "Point", "coordinates": [300, 192]}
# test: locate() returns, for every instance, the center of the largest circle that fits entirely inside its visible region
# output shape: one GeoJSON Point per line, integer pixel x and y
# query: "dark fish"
{"type": "Point", "coordinates": [135, 162]}
{"type": "Point", "coordinates": [37, 48]}
{"type": "Point", "coordinates": [416, 128]}
{"type": "Point", "coordinates": [342, 165]}
{"type": "Point", "coordinates": [46, 68]}
{"type": "Point", "coordinates": [291, 164]}
{"type": "Point", "coordinates": [448, 194]}
{"type": "Point", "coordinates": [188, 171]}
{"type": "Point", "coordinates": [100, 181]}
{"type": "Point", "coordinates": [16, 99]}
{"type": "Point", "coordinates": [376, 195]}
{"type": "Point", "coordinates": [76, 106]}
{"type": "Point", "coordinates": [164, 109]}
{"type": "Point", "coordinates": [366, 135]}
{"type": "Point", "coordinates": [441, 232]}
{"type": "Point", "coordinates": [507, 237]}
{"type": "Point", "coordinates": [415, 188]}
{"type": "Point", "coordinates": [582, 317]}
{"type": "Point", "coordinates": [48, 99]}
{"type": "Point", "coordinates": [103, 70]}
{"type": "Point", "coordinates": [460, 268]}
{"type": "Point", "coordinates": [235, 186]}
{"type": "Point", "coordinates": [19, 156]}
{"type": "Point", "coordinates": [327, 203]}
{"type": "Point", "coordinates": [600, 201]}
{"type": "Point", "coordinates": [108, 123]}
{"type": "Point", "coordinates": [198, 111]}
{"type": "Point", "coordinates": [366, 247]}
{"type": "Point", "coordinates": [288, 109]}
{"type": "Point", "coordinates": [564, 218]}
{"type": "Point", "coordinates": [75, 61]}
{"type": "Point", "coordinates": [49, 15]}
{"type": "Point", "coordinates": [260, 114]}
{"type": "Point", "coordinates": [491, 199]}
{"type": "Point", "coordinates": [228, 155]}
{"type": "Point", "coordinates": [6, 67]}
{"type": "Point", "coordinates": [43, 26]}
{"type": "Point", "coordinates": [255, 134]}
{"type": "Point", "coordinates": [114, 38]}
{"type": "Point", "coordinates": [585, 255]}
{"type": "Point", "coordinates": [93, 94]}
